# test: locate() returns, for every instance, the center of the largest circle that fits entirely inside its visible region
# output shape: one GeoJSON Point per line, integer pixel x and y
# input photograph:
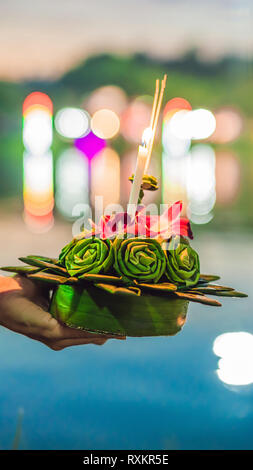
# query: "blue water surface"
{"type": "Point", "coordinates": [141, 393]}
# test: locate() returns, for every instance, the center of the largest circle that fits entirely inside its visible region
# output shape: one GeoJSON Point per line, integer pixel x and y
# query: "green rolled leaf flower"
{"type": "Point", "coordinates": [65, 251]}
{"type": "Point", "coordinates": [140, 259]}
{"type": "Point", "coordinates": [88, 255]}
{"type": "Point", "coordinates": [182, 262]}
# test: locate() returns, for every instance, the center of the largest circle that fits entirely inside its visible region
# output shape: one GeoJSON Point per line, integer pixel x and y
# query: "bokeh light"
{"type": "Point", "coordinates": [37, 131]}
{"type": "Point", "coordinates": [229, 126]}
{"type": "Point", "coordinates": [72, 122]}
{"type": "Point", "coordinates": [107, 97]}
{"type": "Point", "coordinates": [178, 125]}
{"type": "Point", "coordinates": [228, 177]}
{"type": "Point", "coordinates": [200, 219]}
{"type": "Point", "coordinates": [186, 125]}
{"type": "Point", "coordinates": [201, 182]}
{"type": "Point", "coordinates": [236, 352]}
{"type": "Point", "coordinates": [135, 118]}
{"type": "Point", "coordinates": [105, 124]}
{"type": "Point", "coordinates": [37, 98]}
{"type": "Point", "coordinates": [36, 107]}
{"type": "Point", "coordinates": [38, 191]}
{"type": "Point", "coordinates": [127, 167]}
{"type": "Point", "coordinates": [38, 224]}
{"type": "Point", "coordinates": [38, 183]}
{"type": "Point", "coordinates": [174, 179]}
{"type": "Point", "coordinates": [173, 145]}
{"type": "Point", "coordinates": [72, 181]}
{"type": "Point", "coordinates": [37, 123]}
{"type": "Point", "coordinates": [199, 124]}
{"type": "Point", "coordinates": [176, 104]}
{"type": "Point", "coordinates": [90, 144]}
{"type": "Point", "coordinates": [105, 177]}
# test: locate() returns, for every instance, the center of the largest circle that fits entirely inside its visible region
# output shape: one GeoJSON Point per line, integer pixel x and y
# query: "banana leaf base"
{"type": "Point", "coordinates": [95, 310]}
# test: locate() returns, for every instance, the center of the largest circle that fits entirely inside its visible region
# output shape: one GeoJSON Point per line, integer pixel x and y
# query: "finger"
{"type": "Point", "coordinates": [22, 315]}
{"type": "Point", "coordinates": [59, 331]}
{"type": "Point", "coordinates": [100, 341]}
{"type": "Point", "coordinates": [43, 302]}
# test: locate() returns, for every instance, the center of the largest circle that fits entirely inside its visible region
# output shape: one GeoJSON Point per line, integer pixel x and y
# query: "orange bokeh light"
{"type": "Point", "coordinates": [107, 162]}
{"type": "Point", "coordinates": [176, 104]}
{"type": "Point", "coordinates": [36, 107]}
{"type": "Point", "coordinates": [37, 98]}
{"type": "Point", "coordinates": [40, 204]}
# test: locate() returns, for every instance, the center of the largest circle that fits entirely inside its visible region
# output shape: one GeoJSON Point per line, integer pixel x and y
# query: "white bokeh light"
{"type": "Point", "coordinates": [174, 145]}
{"type": "Point", "coordinates": [72, 123]}
{"type": "Point", "coordinates": [178, 124]}
{"type": "Point", "coordinates": [236, 352]}
{"type": "Point", "coordinates": [72, 181]}
{"type": "Point", "coordinates": [196, 125]}
{"type": "Point", "coordinates": [37, 132]}
{"type": "Point", "coordinates": [38, 172]}
{"type": "Point", "coordinates": [199, 124]}
{"type": "Point", "coordinates": [201, 182]}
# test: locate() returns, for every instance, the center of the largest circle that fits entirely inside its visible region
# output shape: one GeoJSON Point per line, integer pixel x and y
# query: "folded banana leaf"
{"type": "Point", "coordinates": [106, 303]}
{"type": "Point", "coordinates": [99, 310]}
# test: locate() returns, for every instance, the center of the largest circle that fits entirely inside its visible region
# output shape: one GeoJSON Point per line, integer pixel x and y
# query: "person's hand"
{"type": "Point", "coordinates": [23, 309]}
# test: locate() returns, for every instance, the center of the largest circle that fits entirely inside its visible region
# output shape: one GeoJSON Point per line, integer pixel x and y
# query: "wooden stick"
{"type": "Point", "coordinates": [157, 86]}
{"type": "Point", "coordinates": [159, 104]}
{"type": "Point", "coordinates": [155, 122]}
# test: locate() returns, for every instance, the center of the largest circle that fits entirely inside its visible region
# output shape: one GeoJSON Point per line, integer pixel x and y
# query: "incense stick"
{"type": "Point", "coordinates": [155, 121]}
{"type": "Point", "coordinates": [157, 86]}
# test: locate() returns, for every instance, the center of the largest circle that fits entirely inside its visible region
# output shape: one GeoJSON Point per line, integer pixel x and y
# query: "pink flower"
{"type": "Point", "coordinates": [143, 225]}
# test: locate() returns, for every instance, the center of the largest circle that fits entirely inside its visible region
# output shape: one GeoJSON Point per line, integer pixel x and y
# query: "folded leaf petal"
{"type": "Point", "coordinates": [139, 259]}
{"type": "Point", "coordinates": [182, 262]}
{"type": "Point", "coordinates": [88, 255]}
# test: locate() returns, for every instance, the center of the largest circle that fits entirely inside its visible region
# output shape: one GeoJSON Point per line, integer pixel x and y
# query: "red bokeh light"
{"type": "Point", "coordinates": [37, 98]}
{"type": "Point", "coordinates": [176, 104]}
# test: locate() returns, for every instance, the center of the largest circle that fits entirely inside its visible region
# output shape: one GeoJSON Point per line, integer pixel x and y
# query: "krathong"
{"type": "Point", "coordinates": [131, 273]}
{"type": "Point", "coordinates": [129, 286]}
